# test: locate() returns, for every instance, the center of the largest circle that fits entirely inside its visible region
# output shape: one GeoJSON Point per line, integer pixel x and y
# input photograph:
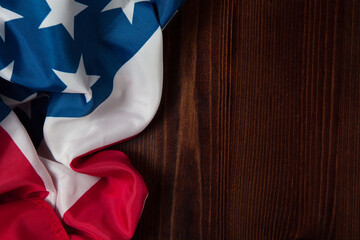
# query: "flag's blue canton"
{"type": "Point", "coordinates": [33, 118]}
{"type": "Point", "coordinates": [166, 9]}
{"type": "Point", "coordinates": [15, 91]}
{"type": "Point", "coordinates": [4, 110]}
{"type": "Point", "coordinates": [106, 40]}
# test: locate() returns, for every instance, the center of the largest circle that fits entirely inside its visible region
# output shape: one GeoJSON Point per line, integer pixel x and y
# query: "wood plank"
{"type": "Point", "coordinates": [258, 132]}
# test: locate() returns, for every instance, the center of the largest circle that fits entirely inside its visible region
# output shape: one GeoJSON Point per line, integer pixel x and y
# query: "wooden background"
{"type": "Point", "coordinates": [258, 133]}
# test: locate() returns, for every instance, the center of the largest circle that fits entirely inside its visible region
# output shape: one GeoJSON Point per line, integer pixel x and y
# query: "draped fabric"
{"type": "Point", "coordinates": [75, 77]}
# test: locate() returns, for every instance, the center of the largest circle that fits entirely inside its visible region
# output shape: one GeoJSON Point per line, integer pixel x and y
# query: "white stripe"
{"type": "Point", "coordinates": [127, 111]}
{"type": "Point", "coordinates": [17, 132]}
{"type": "Point", "coordinates": [70, 185]}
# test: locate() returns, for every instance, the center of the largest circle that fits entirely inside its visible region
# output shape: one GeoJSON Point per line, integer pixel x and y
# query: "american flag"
{"type": "Point", "coordinates": [75, 77]}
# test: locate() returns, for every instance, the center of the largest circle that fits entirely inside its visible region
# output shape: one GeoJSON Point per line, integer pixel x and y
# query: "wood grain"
{"type": "Point", "coordinates": [258, 133]}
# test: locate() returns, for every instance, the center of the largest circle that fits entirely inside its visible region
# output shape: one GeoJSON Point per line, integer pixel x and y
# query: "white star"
{"type": "Point", "coordinates": [78, 82]}
{"type": "Point", "coordinates": [126, 5]}
{"type": "Point", "coordinates": [63, 12]}
{"type": "Point", "coordinates": [5, 16]}
{"type": "Point", "coordinates": [6, 73]}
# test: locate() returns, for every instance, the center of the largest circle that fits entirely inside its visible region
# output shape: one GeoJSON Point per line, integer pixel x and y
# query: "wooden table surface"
{"type": "Point", "coordinates": [258, 132]}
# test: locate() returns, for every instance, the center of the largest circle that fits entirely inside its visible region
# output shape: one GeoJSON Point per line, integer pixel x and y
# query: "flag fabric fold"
{"type": "Point", "coordinates": [76, 76]}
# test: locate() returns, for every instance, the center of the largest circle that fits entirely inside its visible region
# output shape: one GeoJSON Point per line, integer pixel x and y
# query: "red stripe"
{"type": "Point", "coordinates": [112, 207]}
{"type": "Point", "coordinates": [18, 179]}
{"type": "Point", "coordinates": [31, 219]}
{"type": "Point", "coordinates": [23, 212]}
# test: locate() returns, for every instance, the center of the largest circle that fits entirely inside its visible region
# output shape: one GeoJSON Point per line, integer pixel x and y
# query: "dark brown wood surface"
{"type": "Point", "coordinates": [258, 133]}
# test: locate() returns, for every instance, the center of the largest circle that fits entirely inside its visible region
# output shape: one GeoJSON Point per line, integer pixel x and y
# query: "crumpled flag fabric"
{"type": "Point", "coordinates": [75, 77]}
